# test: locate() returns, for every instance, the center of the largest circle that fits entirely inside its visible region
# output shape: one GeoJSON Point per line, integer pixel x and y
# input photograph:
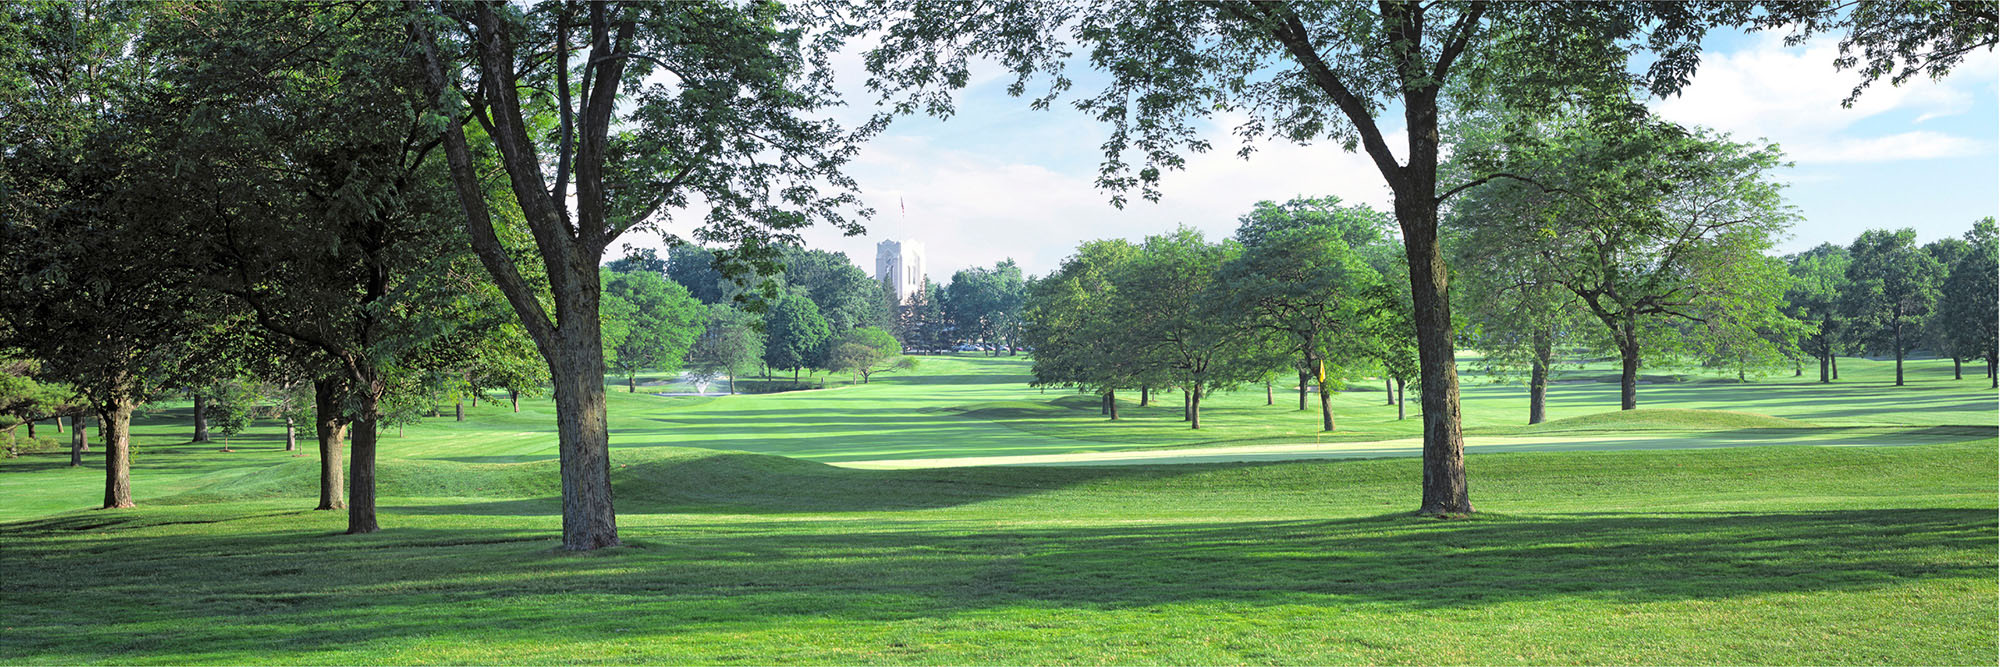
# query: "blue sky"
{"type": "Point", "coordinates": [999, 180]}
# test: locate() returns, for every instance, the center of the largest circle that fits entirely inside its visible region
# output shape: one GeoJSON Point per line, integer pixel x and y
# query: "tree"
{"type": "Point", "coordinates": [867, 351]}
{"type": "Point", "coordinates": [795, 333]}
{"type": "Point", "coordinates": [1893, 286]}
{"type": "Point", "coordinates": [1179, 319]}
{"type": "Point", "coordinates": [639, 260]}
{"type": "Point", "coordinates": [1306, 285]}
{"type": "Point", "coordinates": [1936, 335]}
{"type": "Point", "coordinates": [661, 325]}
{"type": "Point", "coordinates": [984, 304]}
{"type": "Point", "coordinates": [1644, 222]}
{"type": "Point", "coordinates": [310, 187]}
{"type": "Point", "coordinates": [507, 361]}
{"type": "Point", "coordinates": [846, 296]}
{"type": "Point", "coordinates": [1969, 301]}
{"type": "Point", "coordinates": [1516, 316]}
{"type": "Point", "coordinates": [233, 408]}
{"type": "Point", "coordinates": [730, 345]}
{"type": "Point", "coordinates": [1068, 319]}
{"type": "Point", "coordinates": [739, 83]}
{"type": "Point", "coordinates": [93, 293]}
{"type": "Point", "coordinates": [1819, 278]}
{"type": "Point", "coordinates": [1306, 72]}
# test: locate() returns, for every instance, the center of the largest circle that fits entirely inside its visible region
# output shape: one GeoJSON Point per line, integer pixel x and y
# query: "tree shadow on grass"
{"type": "Point", "coordinates": [223, 591]}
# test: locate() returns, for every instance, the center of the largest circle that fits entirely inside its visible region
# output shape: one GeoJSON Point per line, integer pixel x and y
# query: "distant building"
{"type": "Point", "coordinates": [900, 267]}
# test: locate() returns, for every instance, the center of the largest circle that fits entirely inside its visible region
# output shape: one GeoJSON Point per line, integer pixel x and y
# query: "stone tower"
{"type": "Point", "coordinates": [900, 267]}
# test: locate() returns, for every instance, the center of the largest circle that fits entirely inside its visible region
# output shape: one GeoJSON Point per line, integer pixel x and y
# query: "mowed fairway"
{"type": "Point", "coordinates": [1846, 524]}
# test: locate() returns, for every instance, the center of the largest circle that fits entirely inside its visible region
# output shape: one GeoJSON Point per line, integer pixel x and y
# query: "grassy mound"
{"type": "Point", "coordinates": [1666, 419]}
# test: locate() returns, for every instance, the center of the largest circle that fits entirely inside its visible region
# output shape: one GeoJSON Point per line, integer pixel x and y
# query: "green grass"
{"type": "Point", "coordinates": [1671, 551]}
{"type": "Point", "coordinates": [1778, 555]}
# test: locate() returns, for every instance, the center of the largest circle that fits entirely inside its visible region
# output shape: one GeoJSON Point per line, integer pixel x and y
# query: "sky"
{"type": "Point", "coordinates": [999, 180]}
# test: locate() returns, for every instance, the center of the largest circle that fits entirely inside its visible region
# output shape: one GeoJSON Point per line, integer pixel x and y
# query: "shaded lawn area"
{"type": "Point", "coordinates": [1774, 555]}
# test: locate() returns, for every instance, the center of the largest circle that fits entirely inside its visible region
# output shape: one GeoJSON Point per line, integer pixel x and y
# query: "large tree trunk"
{"type": "Point", "coordinates": [200, 418]}
{"type": "Point", "coordinates": [1538, 377]}
{"type": "Point", "coordinates": [31, 429]}
{"type": "Point", "coordinates": [331, 428]}
{"type": "Point", "coordinates": [1103, 404]}
{"type": "Point", "coordinates": [1187, 406]}
{"type": "Point", "coordinates": [631, 384]}
{"type": "Point", "coordinates": [78, 441]}
{"type": "Point", "coordinates": [1268, 396]}
{"type": "Point", "coordinates": [1145, 396]}
{"type": "Point", "coordinates": [1824, 358]}
{"type": "Point", "coordinates": [1111, 399]}
{"type": "Point", "coordinates": [361, 470]}
{"type": "Point", "coordinates": [291, 435]}
{"type": "Point", "coordinates": [1957, 373]}
{"type": "Point", "coordinates": [514, 397]}
{"type": "Point", "coordinates": [1628, 374]}
{"type": "Point", "coordinates": [1194, 409]}
{"type": "Point", "coordinates": [1445, 490]}
{"type": "Point", "coordinates": [576, 363]}
{"type": "Point", "coordinates": [1897, 336]}
{"type": "Point", "coordinates": [1388, 390]}
{"type": "Point", "coordinates": [1835, 361]}
{"type": "Point", "coordinates": [115, 421]}
{"type": "Point", "coordinates": [458, 409]}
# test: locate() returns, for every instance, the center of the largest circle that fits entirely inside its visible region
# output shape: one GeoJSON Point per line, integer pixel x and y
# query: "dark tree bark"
{"type": "Point", "coordinates": [1388, 389]}
{"type": "Point", "coordinates": [1103, 404]}
{"type": "Point", "coordinates": [1111, 399]}
{"type": "Point", "coordinates": [578, 368]}
{"type": "Point", "coordinates": [361, 470]}
{"type": "Point", "coordinates": [631, 384]}
{"type": "Point", "coordinates": [1145, 396]}
{"type": "Point", "coordinates": [458, 409]}
{"type": "Point", "coordinates": [1823, 378]}
{"type": "Point", "coordinates": [78, 441]}
{"type": "Point", "coordinates": [1303, 379]}
{"type": "Point", "coordinates": [115, 421]}
{"type": "Point", "coordinates": [514, 397]}
{"type": "Point", "coordinates": [1187, 406]}
{"type": "Point", "coordinates": [31, 429]}
{"type": "Point", "coordinates": [332, 430]}
{"type": "Point", "coordinates": [200, 418]}
{"type": "Point", "coordinates": [1268, 399]}
{"type": "Point", "coordinates": [1835, 360]}
{"type": "Point", "coordinates": [1897, 337]}
{"type": "Point", "coordinates": [1993, 372]}
{"type": "Point", "coordinates": [1538, 377]}
{"type": "Point", "coordinates": [1957, 372]}
{"type": "Point", "coordinates": [1628, 374]}
{"type": "Point", "coordinates": [1194, 409]}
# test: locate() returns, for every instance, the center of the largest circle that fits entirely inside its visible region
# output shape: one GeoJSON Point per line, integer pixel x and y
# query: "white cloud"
{"type": "Point", "coordinates": [1791, 95]}
{"type": "Point", "coordinates": [1919, 145]}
